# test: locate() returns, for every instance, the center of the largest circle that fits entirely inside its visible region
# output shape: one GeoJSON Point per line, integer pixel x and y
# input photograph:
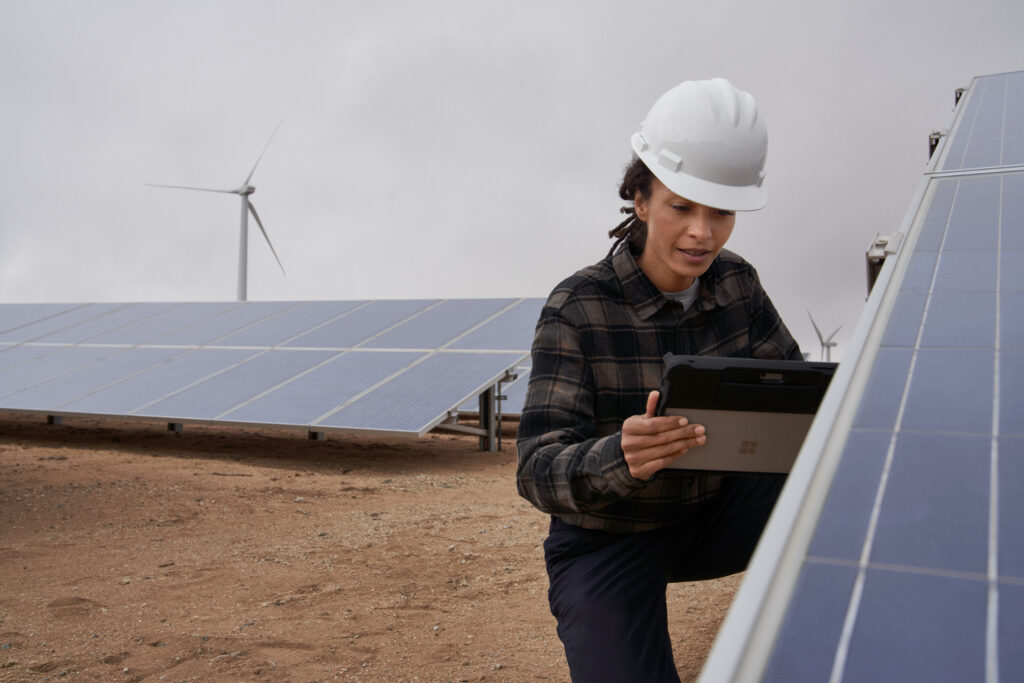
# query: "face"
{"type": "Point", "coordinates": [683, 237]}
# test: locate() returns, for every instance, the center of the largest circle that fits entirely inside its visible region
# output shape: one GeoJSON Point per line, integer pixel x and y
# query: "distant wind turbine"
{"type": "Point", "coordinates": [826, 344]}
{"type": "Point", "coordinates": [244, 190]}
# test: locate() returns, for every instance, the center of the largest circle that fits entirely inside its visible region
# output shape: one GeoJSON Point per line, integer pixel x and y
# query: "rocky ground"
{"type": "Point", "coordinates": [129, 553]}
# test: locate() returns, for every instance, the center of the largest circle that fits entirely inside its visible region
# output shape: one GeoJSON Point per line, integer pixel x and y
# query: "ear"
{"type": "Point", "coordinates": [640, 206]}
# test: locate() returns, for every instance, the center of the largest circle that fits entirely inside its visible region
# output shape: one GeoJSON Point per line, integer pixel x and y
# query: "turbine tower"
{"type": "Point", "coordinates": [826, 344]}
{"type": "Point", "coordinates": [244, 190]}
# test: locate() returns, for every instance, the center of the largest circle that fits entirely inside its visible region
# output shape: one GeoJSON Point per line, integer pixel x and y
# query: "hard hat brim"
{"type": "Point", "coordinates": [715, 195]}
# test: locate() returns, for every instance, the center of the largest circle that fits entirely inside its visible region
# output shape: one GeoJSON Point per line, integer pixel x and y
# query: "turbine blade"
{"type": "Point", "coordinates": [833, 334]}
{"type": "Point", "coordinates": [816, 330]}
{"type": "Point", "coordinates": [201, 189]}
{"type": "Point", "coordinates": [252, 210]}
{"type": "Point", "coordinates": [249, 177]}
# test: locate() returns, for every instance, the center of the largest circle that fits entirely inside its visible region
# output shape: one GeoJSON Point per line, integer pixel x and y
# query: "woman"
{"type": "Point", "coordinates": [592, 453]}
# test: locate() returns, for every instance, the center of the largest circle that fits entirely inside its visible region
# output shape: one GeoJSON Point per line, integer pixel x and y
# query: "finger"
{"type": "Point", "coordinates": [645, 464]}
{"type": "Point", "coordinates": [655, 435]}
{"type": "Point", "coordinates": [652, 403]}
{"type": "Point", "coordinates": [640, 455]}
{"type": "Point", "coordinates": [641, 425]}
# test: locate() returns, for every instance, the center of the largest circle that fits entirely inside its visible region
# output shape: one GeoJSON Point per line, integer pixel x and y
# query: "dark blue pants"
{"type": "Point", "coordinates": [607, 591]}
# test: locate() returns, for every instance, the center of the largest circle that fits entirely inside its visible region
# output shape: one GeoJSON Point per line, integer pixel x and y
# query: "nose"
{"type": "Point", "coordinates": [699, 227]}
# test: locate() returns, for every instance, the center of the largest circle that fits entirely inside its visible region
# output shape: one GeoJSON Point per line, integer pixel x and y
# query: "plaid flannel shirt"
{"type": "Point", "coordinates": [597, 354]}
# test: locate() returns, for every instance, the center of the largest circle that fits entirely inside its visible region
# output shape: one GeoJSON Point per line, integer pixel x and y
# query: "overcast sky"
{"type": "Point", "coordinates": [450, 149]}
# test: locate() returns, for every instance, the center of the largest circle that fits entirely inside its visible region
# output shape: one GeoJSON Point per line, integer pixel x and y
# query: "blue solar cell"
{"type": "Point", "coordinates": [966, 271]}
{"type": "Point", "coordinates": [1011, 323]}
{"type": "Point", "coordinates": [1011, 391]}
{"type": "Point", "coordinates": [361, 324]}
{"type": "Point", "coordinates": [1011, 270]}
{"type": "Point", "coordinates": [905, 629]}
{"type": "Point", "coordinates": [13, 316]}
{"type": "Point", "coordinates": [289, 323]}
{"type": "Point", "coordinates": [905, 321]}
{"type": "Point", "coordinates": [440, 325]}
{"type": "Point", "coordinates": [38, 369]}
{"type": "Point", "coordinates": [932, 234]}
{"type": "Point", "coordinates": [313, 395]}
{"type": "Point", "coordinates": [936, 506]}
{"type": "Point", "coordinates": [213, 328]}
{"type": "Point", "coordinates": [1011, 632]}
{"type": "Point", "coordinates": [1011, 508]}
{"type": "Point", "coordinates": [951, 390]}
{"type": "Point", "coordinates": [69, 318]}
{"type": "Point", "coordinates": [807, 642]}
{"type": "Point", "coordinates": [512, 330]}
{"type": "Point", "coordinates": [208, 399]}
{"type": "Point", "coordinates": [87, 330]}
{"type": "Point", "coordinates": [960, 319]}
{"type": "Point", "coordinates": [50, 395]}
{"type": "Point", "coordinates": [412, 402]}
{"type": "Point", "coordinates": [884, 391]}
{"type": "Point", "coordinates": [173, 319]}
{"type": "Point", "coordinates": [977, 204]}
{"type": "Point", "coordinates": [843, 523]}
{"type": "Point", "coordinates": [920, 272]}
{"type": "Point", "coordinates": [15, 355]}
{"type": "Point", "coordinates": [177, 372]}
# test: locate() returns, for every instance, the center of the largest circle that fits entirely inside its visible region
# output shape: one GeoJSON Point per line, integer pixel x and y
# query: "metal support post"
{"type": "Point", "coordinates": [488, 442]}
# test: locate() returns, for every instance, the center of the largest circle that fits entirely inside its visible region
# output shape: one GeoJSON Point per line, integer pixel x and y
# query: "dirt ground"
{"type": "Point", "coordinates": [130, 553]}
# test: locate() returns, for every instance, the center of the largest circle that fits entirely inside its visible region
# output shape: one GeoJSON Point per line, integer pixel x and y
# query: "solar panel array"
{"type": "Point", "coordinates": [895, 552]}
{"type": "Point", "coordinates": [385, 366]}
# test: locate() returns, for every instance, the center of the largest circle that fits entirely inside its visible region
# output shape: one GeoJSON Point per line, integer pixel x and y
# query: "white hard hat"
{"type": "Point", "coordinates": [706, 142]}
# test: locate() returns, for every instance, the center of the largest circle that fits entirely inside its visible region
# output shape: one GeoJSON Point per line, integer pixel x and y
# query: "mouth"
{"type": "Point", "coordinates": [695, 255]}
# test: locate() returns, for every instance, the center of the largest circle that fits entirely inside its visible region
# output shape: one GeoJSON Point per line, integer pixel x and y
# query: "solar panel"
{"type": "Point", "coordinates": [361, 324]}
{"type": "Point", "coordinates": [400, 405]}
{"type": "Point", "coordinates": [145, 388]}
{"type": "Point", "coordinates": [384, 366]}
{"type": "Point", "coordinates": [439, 324]}
{"type": "Point", "coordinates": [512, 331]}
{"type": "Point", "coordinates": [26, 315]}
{"type": "Point", "coordinates": [311, 396]}
{"type": "Point", "coordinates": [172, 319]}
{"type": "Point", "coordinates": [894, 552]}
{"type": "Point", "coordinates": [44, 324]}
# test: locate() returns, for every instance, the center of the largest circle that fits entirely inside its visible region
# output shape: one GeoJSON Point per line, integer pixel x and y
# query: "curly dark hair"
{"type": "Point", "coordinates": [633, 231]}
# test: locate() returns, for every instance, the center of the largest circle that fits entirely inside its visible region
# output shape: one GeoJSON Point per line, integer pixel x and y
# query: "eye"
{"type": "Point", "coordinates": [681, 207]}
{"type": "Point", "coordinates": [725, 212]}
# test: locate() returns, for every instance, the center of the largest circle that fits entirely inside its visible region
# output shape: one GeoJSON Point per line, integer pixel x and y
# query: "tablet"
{"type": "Point", "coordinates": [756, 412]}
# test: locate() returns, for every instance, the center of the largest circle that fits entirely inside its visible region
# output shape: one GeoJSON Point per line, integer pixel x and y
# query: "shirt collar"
{"type": "Point", "coordinates": [647, 299]}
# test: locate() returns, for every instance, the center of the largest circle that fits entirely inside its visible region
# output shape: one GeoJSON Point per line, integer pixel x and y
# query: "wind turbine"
{"type": "Point", "coordinates": [826, 344]}
{"type": "Point", "coordinates": [244, 190]}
